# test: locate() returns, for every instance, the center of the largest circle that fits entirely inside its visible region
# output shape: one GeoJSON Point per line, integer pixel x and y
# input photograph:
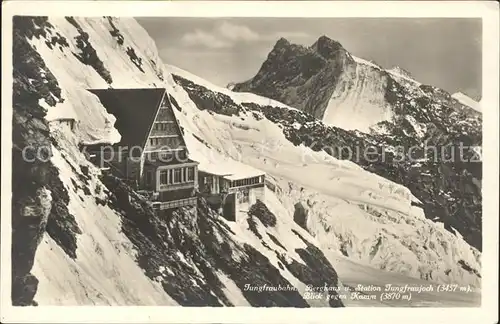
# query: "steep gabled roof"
{"type": "Point", "coordinates": [135, 111]}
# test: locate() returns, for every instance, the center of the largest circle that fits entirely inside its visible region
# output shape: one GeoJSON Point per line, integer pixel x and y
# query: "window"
{"type": "Point", "coordinates": [170, 177]}
{"type": "Point", "coordinates": [163, 177]}
{"type": "Point", "coordinates": [154, 141]}
{"type": "Point", "coordinates": [190, 174]}
{"type": "Point", "coordinates": [177, 175]}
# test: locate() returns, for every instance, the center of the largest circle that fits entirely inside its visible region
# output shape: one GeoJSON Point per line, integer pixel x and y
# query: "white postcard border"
{"type": "Point", "coordinates": [487, 10]}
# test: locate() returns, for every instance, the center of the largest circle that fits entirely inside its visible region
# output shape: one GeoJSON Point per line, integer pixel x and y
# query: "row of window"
{"type": "Point", "coordinates": [165, 114]}
{"type": "Point", "coordinates": [168, 126]}
{"type": "Point", "coordinates": [247, 182]}
{"type": "Point", "coordinates": [177, 176]}
{"type": "Point", "coordinates": [167, 156]}
{"type": "Point", "coordinates": [171, 142]}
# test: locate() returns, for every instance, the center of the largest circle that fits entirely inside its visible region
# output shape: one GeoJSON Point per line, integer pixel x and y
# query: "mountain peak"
{"type": "Point", "coordinates": [398, 70]}
{"type": "Point", "coordinates": [326, 46]}
{"type": "Point", "coordinates": [324, 39]}
{"type": "Point", "coordinates": [282, 42]}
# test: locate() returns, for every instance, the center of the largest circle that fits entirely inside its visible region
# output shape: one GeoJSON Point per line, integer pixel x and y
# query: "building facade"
{"type": "Point", "coordinates": [153, 158]}
{"type": "Point", "coordinates": [231, 194]}
{"type": "Point", "coordinates": [151, 155]}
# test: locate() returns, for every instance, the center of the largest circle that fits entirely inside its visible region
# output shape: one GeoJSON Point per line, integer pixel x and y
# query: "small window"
{"type": "Point", "coordinates": [190, 174]}
{"type": "Point", "coordinates": [169, 177]}
{"type": "Point", "coordinates": [177, 175]}
{"type": "Point", "coordinates": [163, 177]}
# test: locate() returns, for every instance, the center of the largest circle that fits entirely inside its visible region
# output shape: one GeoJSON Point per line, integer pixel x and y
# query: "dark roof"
{"type": "Point", "coordinates": [134, 109]}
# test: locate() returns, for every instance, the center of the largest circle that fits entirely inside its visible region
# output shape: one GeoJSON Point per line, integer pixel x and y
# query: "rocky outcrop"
{"type": "Point", "coordinates": [300, 215]}
{"type": "Point", "coordinates": [87, 54]}
{"type": "Point", "coordinates": [301, 77]}
{"type": "Point", "coordinates": [32, 171]}
{"type": "Point", "coordinates": [260, 211]}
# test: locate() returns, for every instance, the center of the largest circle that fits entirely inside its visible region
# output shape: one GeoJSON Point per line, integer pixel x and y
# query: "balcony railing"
{"type": "Point", "coordinates": [177, 186]}
{"type": "Point", "coordinates": [250, 186]}
{"type": "Point", "coordinates": [175, 203]}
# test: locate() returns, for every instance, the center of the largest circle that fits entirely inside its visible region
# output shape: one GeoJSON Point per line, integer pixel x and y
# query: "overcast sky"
{"type": "Point", "coordinates": [444, 52]}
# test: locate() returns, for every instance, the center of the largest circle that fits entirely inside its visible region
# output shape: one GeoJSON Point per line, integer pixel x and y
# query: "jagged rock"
{"type": "Point", "coordinates": [260, 210]}
{"type": "Point", "coordinates": [300, 215]}
{"type": "Point", "coordinates": [88, 54]}
{"type": "Point", "coordinates": [61, 224]}
{"type": "Point", "coordinates": [302, 77]}
{"type": "Point", "coordinates": [24, 290]}
{"type": "Point", "coordinates": [32, 198]}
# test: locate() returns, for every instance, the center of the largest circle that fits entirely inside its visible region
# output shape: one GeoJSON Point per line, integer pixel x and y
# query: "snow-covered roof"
{"type": "Point", "coordinates": [229, 169]}
{"type": "Point", "coordinates": [60, 119]}
{"type": "Point", "coordinates": [134, 109]}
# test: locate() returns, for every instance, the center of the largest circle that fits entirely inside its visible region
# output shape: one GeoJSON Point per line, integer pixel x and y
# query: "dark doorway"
{"type": "Point", "coordinates": [229, 208]}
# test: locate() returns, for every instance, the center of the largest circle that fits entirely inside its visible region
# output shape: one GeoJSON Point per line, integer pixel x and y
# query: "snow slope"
{"type": "Point", "coordinates": [105, 271]}
{"type": "Point", "coordinates": [468, 101]}
{"type": "Point", "coordinates": [95, 124]}
{"type": "Point", "coordinates": [358, 100]}
{"type": "Point", "coordinates": [354, 274]}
